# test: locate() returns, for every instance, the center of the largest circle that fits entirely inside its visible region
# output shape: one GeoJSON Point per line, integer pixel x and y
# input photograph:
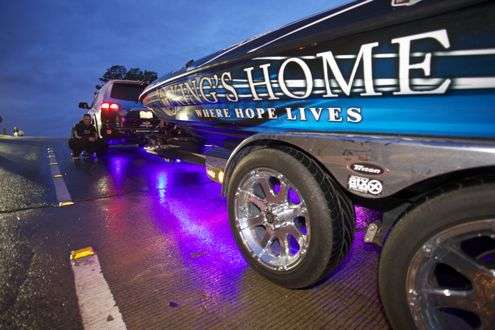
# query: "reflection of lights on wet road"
{"type": "Point", "coordinates": [203, 237]}
{"type": "Point", "coordinates": [118, 166]}
{"type": "Point", "coordinates": [161, 185]}
{"type": "Point", "coordinates": [161, 180]}
{"type": "Point", "coordinates": [190, 212]}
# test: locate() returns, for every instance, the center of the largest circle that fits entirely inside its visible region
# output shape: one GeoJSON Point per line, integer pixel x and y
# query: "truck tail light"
{"type": "Point", "coordinates": [105, 106]}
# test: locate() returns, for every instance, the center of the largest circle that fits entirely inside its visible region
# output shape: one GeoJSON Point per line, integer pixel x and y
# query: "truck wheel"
{"type": "Point", "coordinates": [291, 221]}
{"type": "Point", "coordinates": [437, 269]}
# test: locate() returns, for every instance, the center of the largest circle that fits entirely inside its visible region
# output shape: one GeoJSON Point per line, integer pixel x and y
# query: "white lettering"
{"type": "Point", "coordinates": [405, 65]}
{"type": "Point", "coordinates": [307, 76]}
{"type": "Point", "coordinates": [266, 82]}
{"type": "Point", "coordinates": [226, 78]}
{"type": "Point", "coordinates": [316, 112]}
{"type": "Point", "coordinates": [239, 113]}
{"type": "Point", "coordinates": [366, 55]}
{"type": "Point", "coordinates": [260, 112]}
{"type": "Point", "coordinates": [212, 96]}
{"type": "Point", "coordinates": [290, 116]}
{"type": "Point", "coordinates": [271, 113]}
{"type": "Point", "coordinates": [334, 114]}
{"type": "Point", "coordinates": [193, 90]}
{"type": "Point", "coordinates": [249, 113]}
{"type": "Point", "coordinates": [354, 115]}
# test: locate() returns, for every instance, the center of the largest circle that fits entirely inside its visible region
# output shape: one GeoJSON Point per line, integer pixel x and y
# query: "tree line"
{"type": "Point", "coordinates": [120, 72]}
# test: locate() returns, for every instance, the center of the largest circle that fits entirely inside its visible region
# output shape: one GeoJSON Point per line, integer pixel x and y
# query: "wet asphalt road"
{"type": "Point", "coordinates": [162, 237]}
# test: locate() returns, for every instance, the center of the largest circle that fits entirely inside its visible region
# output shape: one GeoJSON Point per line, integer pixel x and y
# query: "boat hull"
{"type": "Point", "coordinates": [428, 76]}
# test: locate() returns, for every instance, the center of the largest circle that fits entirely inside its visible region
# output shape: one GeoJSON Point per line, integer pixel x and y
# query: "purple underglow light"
{"type": "Point", "coordinates": [118, 165]}
{"type": "Point", "coordinates": [365, 216]}
{"type": "Point", "coordinates": [191, 212]}
{"type": "Point", "coordinates": [161, 185]}
{"type": "Point", "coordinates": [115, 141]}
{"type": "Point", "coordinates": [188, 213]}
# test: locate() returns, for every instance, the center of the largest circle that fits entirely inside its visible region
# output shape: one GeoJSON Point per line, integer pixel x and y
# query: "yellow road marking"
{"type": "Point", "coordinates": [65, 203]}
{"type": "Point", "coordinates": [97, 306]}
{"type": "Point", "coordinates": [82, 253]}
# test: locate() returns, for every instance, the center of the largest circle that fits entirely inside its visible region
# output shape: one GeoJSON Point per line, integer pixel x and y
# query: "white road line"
{"type": "Point", "coordinates": [96, 303]}
{"type": "Point", "coordinates": [63, 195]}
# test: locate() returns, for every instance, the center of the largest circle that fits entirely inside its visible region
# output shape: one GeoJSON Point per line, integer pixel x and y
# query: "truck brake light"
{"type": "Point", "coordinates": [109, 106]}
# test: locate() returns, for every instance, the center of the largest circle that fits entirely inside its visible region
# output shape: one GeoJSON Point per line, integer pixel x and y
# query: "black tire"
{"type": "Point", "coordinates": [330, 211]}
{"type": "Point", "coordinates": [447, 208]}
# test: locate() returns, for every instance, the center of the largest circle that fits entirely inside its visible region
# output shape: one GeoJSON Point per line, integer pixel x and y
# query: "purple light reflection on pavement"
{"type": "Point", "coordinates": [161, 185]}
{"type": "Point", "coordinates": [116, 141]}
{"type": "Point", "coordinates": [118, 165]}
{"type": "Point", "coordinates": [190, 213]}
{"type": "Point", "coordinates": [199, 228]}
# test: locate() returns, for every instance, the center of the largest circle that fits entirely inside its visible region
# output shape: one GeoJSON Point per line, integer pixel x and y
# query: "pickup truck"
{"type": "Point", "coordinates": [118, 116]}
{"type": "Point", "coordinates": [389, 104]}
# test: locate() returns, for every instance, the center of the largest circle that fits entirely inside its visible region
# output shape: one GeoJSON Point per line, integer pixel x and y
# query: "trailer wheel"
{"type": "Point", "coordinates": [437, 269]}
{"type": "Point", "coordinates": [292, 222]}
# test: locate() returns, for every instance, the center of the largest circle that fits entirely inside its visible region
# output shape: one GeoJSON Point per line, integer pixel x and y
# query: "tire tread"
{"type": "Point", "coordinates": [339, 204]}
{"type": "Point", "coordinates": [442, 207]}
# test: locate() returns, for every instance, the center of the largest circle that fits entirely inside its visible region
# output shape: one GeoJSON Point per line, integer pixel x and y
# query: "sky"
{"type": "Point", "coordinates": [53, 51]}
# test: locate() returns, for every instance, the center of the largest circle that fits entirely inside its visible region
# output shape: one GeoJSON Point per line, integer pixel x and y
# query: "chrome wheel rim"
{"type": "Point", "coordinates": [272, 220]}
{"type": "Point", "coordinates": [450, 282]}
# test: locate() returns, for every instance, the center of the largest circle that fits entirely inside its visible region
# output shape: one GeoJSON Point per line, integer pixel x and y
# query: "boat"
{"type": "Point", "coordinates": [382, 103]}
